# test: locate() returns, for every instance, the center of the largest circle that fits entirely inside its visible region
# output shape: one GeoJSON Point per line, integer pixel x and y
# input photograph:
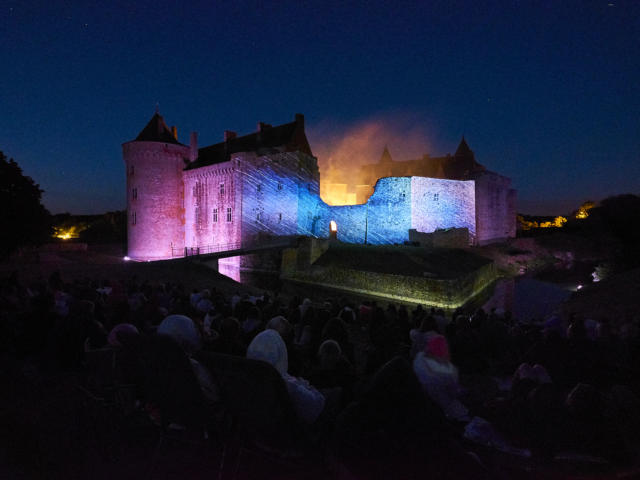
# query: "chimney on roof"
{"type": "Point", "coordinates": [174, 132]}
{"type": "Point", "coordinates": [300, 119]}
{"type": "Point", "coordinates": [263, 126]}
{"type": "Point", "coordinates": [228, 135]}
{"type": "Point", "coordinates": [193, 146]}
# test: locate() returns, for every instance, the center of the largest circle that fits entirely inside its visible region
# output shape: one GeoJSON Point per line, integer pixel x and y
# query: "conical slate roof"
{"type": "Point", "coordinates": [157, 131]}
{"type": "Point", "coordinates": [386, 156]}
{"type": "Point", "coordinates": [463, 149]}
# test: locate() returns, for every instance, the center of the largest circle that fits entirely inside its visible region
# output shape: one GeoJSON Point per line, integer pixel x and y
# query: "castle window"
{"type": "Point", "coordinates": [215, 215]}
{"type": "Point", "coordinates": [279, 185]}
{"type": "Point", "coordinates": [134, 193]}
{"type": "Point", "coordinates": [259, 187]}
{"type": "Point", "coordinates": [436, 197]}
{"type": "Point", "coordinates": [279, 217]}
{"type": "Point", "coordinates": [222, 189]}
{"type": "Point", "coordinates": [134, 219]}
{"type": "Point", "coordinates": [403, 196]}
{"type": "Point", "coordinates": [229, 217]}
{"type": "Point", "coordinates": [259, 217]}
{"type": "Point", "coordinates": [131, 171]}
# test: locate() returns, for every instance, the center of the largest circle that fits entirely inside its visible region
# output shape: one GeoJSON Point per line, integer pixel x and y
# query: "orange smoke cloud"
{"type": "Point", "coordinates": [342, 149]}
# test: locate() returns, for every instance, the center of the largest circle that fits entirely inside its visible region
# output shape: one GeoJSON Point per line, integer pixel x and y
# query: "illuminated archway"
{"type": "Point", "coordinates": [333, 230]}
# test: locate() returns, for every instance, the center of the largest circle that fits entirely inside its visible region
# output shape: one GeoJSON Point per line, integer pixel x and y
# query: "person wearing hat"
{"type": "Point", "coordinates": [439, 378]}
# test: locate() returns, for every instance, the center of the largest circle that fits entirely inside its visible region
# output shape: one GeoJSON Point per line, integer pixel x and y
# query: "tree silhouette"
{"type": "Point", "coordinates": [23, 218]}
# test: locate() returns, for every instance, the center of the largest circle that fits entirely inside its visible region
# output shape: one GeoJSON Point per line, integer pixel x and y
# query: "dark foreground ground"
{"type": "Point", "coordinates": [51, 428]}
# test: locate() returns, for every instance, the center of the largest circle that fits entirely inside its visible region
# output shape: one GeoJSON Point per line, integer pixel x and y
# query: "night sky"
{"type": "Point", "coordinates": [547, 93]}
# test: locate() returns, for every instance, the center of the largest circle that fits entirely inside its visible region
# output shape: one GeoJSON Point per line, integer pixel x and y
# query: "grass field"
{"type": "Point", "coordinates": [106, 262]}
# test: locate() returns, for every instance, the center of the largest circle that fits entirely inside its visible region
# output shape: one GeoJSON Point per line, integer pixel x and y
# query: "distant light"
{"type": "Point", "coordinates": [126, 258]}
{"type": "Point", "coordinates": [583, 211]}
{"type": "Point", "coordinates": [579, 287]}
{"type": "Point", "coordinates": [69, 232]}
{"type": "Point", "coordinates": [333, 226]}
{"type": "Point", "coordinates": [595, 276]}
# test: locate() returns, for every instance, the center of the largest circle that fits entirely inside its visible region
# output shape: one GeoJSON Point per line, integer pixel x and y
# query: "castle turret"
{"type": "Point", "coordinates": [155, 191]}
{"type": "Point", "coordinates": [386, 156]}
{"type": "Point", "coordinates": [463, 164]}
{"type": "Point", "coordinates": [463, 150]}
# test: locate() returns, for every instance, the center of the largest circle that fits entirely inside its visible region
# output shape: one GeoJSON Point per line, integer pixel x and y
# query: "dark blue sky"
{"type": "Point", "coordinates": [547, 93]}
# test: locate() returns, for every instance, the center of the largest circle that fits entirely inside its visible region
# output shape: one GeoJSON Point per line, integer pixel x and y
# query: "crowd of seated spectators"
{"type": "Point", "coordinates": [553, 388]}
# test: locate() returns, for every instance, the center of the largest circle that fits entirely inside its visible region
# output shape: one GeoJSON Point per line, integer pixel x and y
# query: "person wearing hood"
{"type": "Point", "coordinates": [439, 378]}
{"type": "Point", "coordinates": [269, 347]}
{"type": "Point", "coordinates": [186, 334]}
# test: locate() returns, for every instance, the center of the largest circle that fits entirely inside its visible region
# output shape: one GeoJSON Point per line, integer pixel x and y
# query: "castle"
{"type": "Point", "coordinates": [267, 182]}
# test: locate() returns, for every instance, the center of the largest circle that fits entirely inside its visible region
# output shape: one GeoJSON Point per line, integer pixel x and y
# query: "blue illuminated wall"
{"type": "Point", "coordinates": [399, 204]}
{"type": "Point", "coordinates": [385, 218]}
{"type": "Point", "coordinates": [438, 204]}
{"type": "Point", "coordinates": [278, 194]}
{"type": "Point", "coordinates": [270, 194]}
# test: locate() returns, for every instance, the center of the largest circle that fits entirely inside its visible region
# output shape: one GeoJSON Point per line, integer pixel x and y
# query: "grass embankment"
{"type": "Point", "coordinates": [617, 298]}
{"type": "Point", "coordinates": [105, 262]}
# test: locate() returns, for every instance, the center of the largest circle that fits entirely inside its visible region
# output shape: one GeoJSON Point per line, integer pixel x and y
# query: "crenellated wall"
{"type": "Point", "coordinates": [154, 198]}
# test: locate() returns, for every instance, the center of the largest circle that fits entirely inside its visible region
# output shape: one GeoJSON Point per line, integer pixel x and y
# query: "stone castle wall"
{"type": "Point", "coordinates": [278, 194]}
{"type": "Point", "coordinates": [399, 204]}
{"type": "Point", "coordinates": [447, 238]}
{"type": "Point", "coordinates": [385, 218]}
{"type": "Point", "coordinates": [439, 204]}
{"type": "Point", "coordinates": [271, 194]}
{"type": "Point", "coordinates": [154, 198]}
{"type": "Point", "coordinates": [444, 293]}
{"type": "Point", "coordinates": [209, 192]}
{"type": "Point", "coordinates": [495, 208]}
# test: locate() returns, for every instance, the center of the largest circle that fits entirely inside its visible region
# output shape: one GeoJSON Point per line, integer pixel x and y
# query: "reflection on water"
{"type": "Point", "coordinates": [230, 267]}
{"type": "Point", "coordinates": [526, 298]}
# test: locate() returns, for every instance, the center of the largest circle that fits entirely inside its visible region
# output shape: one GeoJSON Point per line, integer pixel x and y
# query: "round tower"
{"type": "Point", "coordinates": [155, 192]}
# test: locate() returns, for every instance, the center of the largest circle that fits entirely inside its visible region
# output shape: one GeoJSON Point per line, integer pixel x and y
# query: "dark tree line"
{"type": "Point", "coordinates": [23, 218]}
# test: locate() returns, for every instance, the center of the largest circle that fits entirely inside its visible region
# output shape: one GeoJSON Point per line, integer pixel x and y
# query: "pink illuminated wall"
{"type": "Point", "coordinates": [230, 267]}
{"type": "Point", "coordinates": [154, 198]}
{"type": "Point", "coordinates": [209, 194]}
